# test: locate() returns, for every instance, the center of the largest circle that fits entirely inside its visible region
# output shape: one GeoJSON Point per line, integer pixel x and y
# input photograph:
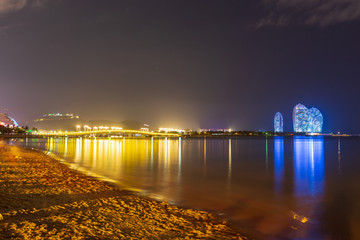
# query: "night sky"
{"type": "Point", "coordinates": [182, 64]}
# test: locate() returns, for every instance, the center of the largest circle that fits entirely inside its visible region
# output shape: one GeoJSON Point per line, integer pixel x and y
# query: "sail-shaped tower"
{"type": "Point", "coordinates": [307, 120]}
{"type": "Point", "coordinates": [278, 122]}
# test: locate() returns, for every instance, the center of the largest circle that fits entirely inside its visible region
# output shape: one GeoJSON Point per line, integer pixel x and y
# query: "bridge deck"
{"type": "Point", "coordinates": [96, 132]}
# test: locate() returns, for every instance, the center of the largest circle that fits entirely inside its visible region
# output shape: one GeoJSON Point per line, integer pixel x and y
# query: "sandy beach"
{"type": "Point", "coordinates": [43, 198]}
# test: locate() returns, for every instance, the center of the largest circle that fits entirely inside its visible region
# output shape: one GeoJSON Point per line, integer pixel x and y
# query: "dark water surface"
{"type": "Point", "coordinates": [287, 188]}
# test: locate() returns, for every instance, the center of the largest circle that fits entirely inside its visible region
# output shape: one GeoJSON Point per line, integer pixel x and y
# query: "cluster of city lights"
{"type": "Point", "coordinates": [216, 130]}
{"type": "Point", "coordinates": [53, 116]}
{"type": "Point", "coordinates": [6, 125]}
{"type": "Point", "coordinates": [145, 129]}
{"type": "Point", "coordinates": [100, 128]}
{"type": "Point", "coordinates": [166, 130]}
{"type": "Point", "coordinates": [60, 115]}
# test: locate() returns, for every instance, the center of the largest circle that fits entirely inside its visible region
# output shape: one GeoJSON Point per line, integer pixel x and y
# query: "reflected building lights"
{"type": "Point", "coordinates": [123, 148]}
{"type": "Point", "coordinates": [199, 147]}
{"type": "Point", "coordinates": [229, 167]}
{"type": "Point", "coordinates": [106, 153]}
{"type": "Point", "coordinates": [309, 175]}
{"type": "Point", "coordinates": [101, 152]}
{"type": "Point", "coordinates": [179, 159]}
{"type": "Point", "coordinates": [147, 159]}
{"type": "Point", "coordinates": [59, 147]}
{"type": "Point", "coordinates": [160, 154]}
{"type": "Point", "coordinates": [205, 152]}
{"type": "Point", "coordinates": [118, 158]}
{"type": "Point", "coordinates": [166, 153]}
{"type": "Point", "coordinates": [166, 174]}
{"type": "Point", "coordinates": [66, 147]}
{"type": "Point", "coordinates": [112, 152]}
{"type": "Point", "coordinates": [109, 157]}
{"type": "Point", "coordinates": [117, 153]}
{"type": "Point", "coordinates": [152, 154]}
{"type": "Point", "coordinates": [204, 169]}
{"type": "Point", "coordinates": [278, 162]}
{"type": "Point", "coordinates": [78, 150]}
{"type": "Point", "coordinates": [153, 164]}
{"type": "Point", "coordinates": [339, 156]}
{"type": "Point", "coordinates": [51, 144]}
{"type": "Point", "coordinates": [95, 152]}
{"type": "Point", "coordinates": [309, 166]}
{"type": "Point", "coordinates": [267, 153]}
{"type": "Point", "coordinates": [87, 150]}
{"type": "Point", "coordinates": [168, 143]}
{"type": "Point", "coordinates": [47, 144]}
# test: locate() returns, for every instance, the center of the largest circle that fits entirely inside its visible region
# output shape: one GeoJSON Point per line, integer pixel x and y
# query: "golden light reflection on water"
{"type": "Point", "coordinates": [146, 162]}
{"type": "Point", "coordinates": [229, 168]}
{"type": "Point", "coordinates": [204, 157]}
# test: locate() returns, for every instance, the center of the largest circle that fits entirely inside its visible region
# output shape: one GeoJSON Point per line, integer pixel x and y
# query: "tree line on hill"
{"type": "Point", "coordinates": [16, 130]}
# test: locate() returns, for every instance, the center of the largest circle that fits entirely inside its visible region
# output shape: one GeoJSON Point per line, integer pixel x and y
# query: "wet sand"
{"type": "Point", "coordinates": [43, 198]}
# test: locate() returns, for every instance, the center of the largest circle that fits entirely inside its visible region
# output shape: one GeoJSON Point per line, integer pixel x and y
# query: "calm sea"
{"type": "Point", "coordinates": [271, 188]}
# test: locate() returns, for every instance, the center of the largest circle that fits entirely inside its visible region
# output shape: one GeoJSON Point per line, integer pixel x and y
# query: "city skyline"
{"type": "Point", "coordinates": [182, 64]}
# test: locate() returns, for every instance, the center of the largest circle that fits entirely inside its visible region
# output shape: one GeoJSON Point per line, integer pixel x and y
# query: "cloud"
{"type": "Point", "coordinates": [11, 5]}
{"type": "Point", "coordinates": [7, 6]}
{"type": "Point", "coordinates": [309, 12]}
{"type": "Point", "coordinates": [4, 29]}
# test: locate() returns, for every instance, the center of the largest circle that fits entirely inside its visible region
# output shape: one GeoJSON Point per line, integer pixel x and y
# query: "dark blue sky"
{"type": "Point", "coordinates": [187, 64]}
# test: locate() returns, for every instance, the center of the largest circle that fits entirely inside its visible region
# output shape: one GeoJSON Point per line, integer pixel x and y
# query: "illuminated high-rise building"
{"type": "Point", "coordinates": [307, 120]}
{"type": "Point", "coordinates": [278, 122]}
{"type": "Point", "coordinates": [316, 120]}
{"type": "Point", "coordinates": [301, 118]}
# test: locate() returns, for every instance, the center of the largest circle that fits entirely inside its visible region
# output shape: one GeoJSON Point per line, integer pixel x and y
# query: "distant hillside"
{"type": "Point", "coordinates": [98, 123]}
{"type": "Point", "coordinates": [63, 123]}
{"type": "Point", "coordinates": [127, 124]}
{"type": "Point", "coordinates": [131, 124]}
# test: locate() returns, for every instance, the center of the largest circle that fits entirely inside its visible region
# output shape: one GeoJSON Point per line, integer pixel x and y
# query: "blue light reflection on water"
{"type": "Point", "coordinates": [309, 166]}
{"type": "Point", "coordinates": [304, 172]}
{"type": "Point", "coordinates": [278, 162]}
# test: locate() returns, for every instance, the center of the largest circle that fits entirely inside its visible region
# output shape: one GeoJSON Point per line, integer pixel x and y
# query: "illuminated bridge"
{"type": "Point", "coordinates": [103, 132]}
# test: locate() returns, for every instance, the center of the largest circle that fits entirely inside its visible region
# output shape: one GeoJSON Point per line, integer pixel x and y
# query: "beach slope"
{"type": "Point", "coordinates": [43, 198]}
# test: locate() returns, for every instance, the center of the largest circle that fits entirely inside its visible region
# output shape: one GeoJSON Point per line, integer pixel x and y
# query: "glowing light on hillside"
{"type": "Point", "coordinates": [116, 128]}
{"type": "Point", "coordinates": [166, 130]}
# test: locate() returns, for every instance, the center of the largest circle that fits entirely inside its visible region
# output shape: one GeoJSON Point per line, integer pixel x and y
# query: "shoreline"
{"type": "Point", "coordinates": [216, 136]}
{"type": "Point", "coordinates": [43, 198]}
